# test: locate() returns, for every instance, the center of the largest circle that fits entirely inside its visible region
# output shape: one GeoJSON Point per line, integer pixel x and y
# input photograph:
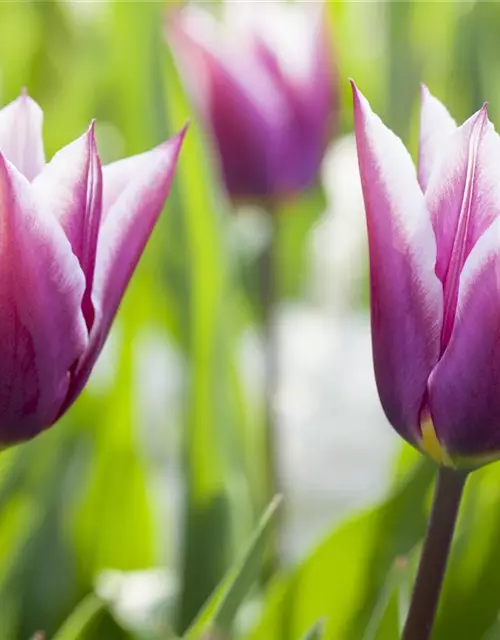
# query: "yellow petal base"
{"type": "Point", "coordinates": [431, 445]}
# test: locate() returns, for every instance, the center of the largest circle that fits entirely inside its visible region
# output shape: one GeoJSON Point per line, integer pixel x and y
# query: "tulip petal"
{"type": "Point", "coordinates": [248, 115]}
{"type": "Point", "coordinates": [406, 296]}
{"type": "Point", "coordinates": [21, 136]}
{"type": "Point", "coordinates": [70, 189]}
{"type": "Point", "coordinates": [436, 126]}
{"type": "Point", "coordinates": [463, 198]}
{"type": "Point", "coordinates": [135, 190]}
{"type": "Point", "coordinates": [464, 388]}
{"type": "Point", "coordinates": [41, 324]}
{"type": "Point", "coordinates": [298, 59]}
{"type": "Point", "coordinates": [246, 138]}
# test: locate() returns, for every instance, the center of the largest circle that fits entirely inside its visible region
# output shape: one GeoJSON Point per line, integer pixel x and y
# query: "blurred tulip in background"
{"type": "Point", "coordinates": [264, 80]}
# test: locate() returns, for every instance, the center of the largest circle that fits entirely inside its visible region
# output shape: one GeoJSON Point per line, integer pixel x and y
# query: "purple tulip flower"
{"type": "Point", "coordinates": [264, 81]}
{"type": "Point", "coordinates": [434, 244]}
{"type": "Point", "coordinates": [71, 234]}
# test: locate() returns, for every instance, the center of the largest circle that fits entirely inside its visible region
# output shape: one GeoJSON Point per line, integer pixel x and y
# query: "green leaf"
{"type": "Point", "coordinates": [114, 510]}
{"type": "Point", "coordinates": [295, 220]}
{"type": "Point", "coordinates": [390, 610]}
{"type": "Point", "coordinates": [493, 632]}
{"type": "Point", "coordinates": [403, 68]}
{"type": "Point", "coordinates": [83, 619]}
{"type": "Point", "coordinates": [216, 489]}
{"type": "Point", "coordinates": [470, 601]}
{"type": "Point", "coordinates": [316, 632]}
{"type": "Point", "coordinates": [342, 579]}
{"type": "Point", "coordinates": [37, 586]}
{"type": "Point", "coordinates": [219, 613]}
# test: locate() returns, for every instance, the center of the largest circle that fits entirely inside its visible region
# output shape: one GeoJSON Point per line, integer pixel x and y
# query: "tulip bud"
{"type": "Point", "coordinates": [434, 244]}
{"type": "Point", "coordinates": [264, 81]}
{"type": "Point", "coordinates": [71, 234]}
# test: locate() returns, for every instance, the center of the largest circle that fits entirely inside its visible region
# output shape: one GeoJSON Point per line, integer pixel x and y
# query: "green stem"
{"type": "Point", "coordinates": [432, 567]}
{"type": "Point", "coordinates": [269, 301]}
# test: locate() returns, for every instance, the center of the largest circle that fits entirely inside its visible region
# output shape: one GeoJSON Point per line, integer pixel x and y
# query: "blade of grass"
{"type": "Point", "coordinates": [86, 615]}
{"type": "Point", "coordinates": [218, 615]}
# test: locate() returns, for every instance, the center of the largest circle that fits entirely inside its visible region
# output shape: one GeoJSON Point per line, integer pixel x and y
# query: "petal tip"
{"type": "Point", "coordinates": [90, 133]}
{"type": "Point", "coordinates": [424, 91]}
{"type": "Point", "coordinates": [356, 95]}
{"type": "Point", "coordinates": [360, 103]}
{"type": "Point", "coordinates": [484, 118]}
{"type": "Point", "coordinates": [427, 97]}
{"type": "Point", "coordinates": [171, 148]}
{"type": "Point", "coordinates": [184, 129]}
{"type": "Point", "coordinates": [3, 163]}
{"type": "Point", "coordinates": [178, 139]}
{"type": "Point", "coordinates": [90, 137]}
{"type": "Point", "coordinates": [481, 116]}
{"type": "Point", "coordinates": [25, 101]}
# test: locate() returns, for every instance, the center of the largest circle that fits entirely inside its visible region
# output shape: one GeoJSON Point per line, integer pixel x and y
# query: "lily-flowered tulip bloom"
{"type": "Point", "coordinates": [71, 234]}
{"type": "Point", "coordinates": [264, 82]}
{"type": "Point", "coordinates": [434, 244]}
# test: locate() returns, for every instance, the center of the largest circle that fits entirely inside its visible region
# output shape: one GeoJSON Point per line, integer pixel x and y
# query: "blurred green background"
{"type": "Point", "coordinates": [121, 521]}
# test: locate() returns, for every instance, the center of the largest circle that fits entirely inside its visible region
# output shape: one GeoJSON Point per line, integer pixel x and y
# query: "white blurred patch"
{"type": "Point", "coordinates": [160, 371]}
{"type": "Point", "coordinates": [249, 231]}
{"type": "Point", "coordinates": [89, 10]}
{"type": "Point", "coordinates": [335, 445]}
{"type": "Point", "coordinates": [339, 242]}
{"type": "Point", "coordinates": [138, 599]}
{"type": "Point", "coordinates": [160, 388]}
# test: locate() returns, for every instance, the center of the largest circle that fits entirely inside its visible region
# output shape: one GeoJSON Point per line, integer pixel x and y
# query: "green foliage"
{"type": "Point", "coordinates": [97, 491]}
{"type": "Point", "coordinates": [315, 632]}
{"type": "Point", "coordinates": [86, 616]}
{"type": "Point", "coordinates": [217, 617]}
{"type": "Point", "coordinates": [342, 580]}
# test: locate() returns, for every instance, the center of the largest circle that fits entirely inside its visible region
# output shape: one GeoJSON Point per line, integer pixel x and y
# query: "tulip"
{"type": "Point", "coordinates": [264, 82]}
{"type": "Point", "coordinates": [71, 234]}
{"type": "Point", "coordinates": [434, 247]}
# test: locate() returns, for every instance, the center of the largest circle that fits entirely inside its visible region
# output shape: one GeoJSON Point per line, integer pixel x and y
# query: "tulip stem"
{"type": "Point", "coordinates": [448, 493]}
{"type": "Point", "coordinates": [269, 300]}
